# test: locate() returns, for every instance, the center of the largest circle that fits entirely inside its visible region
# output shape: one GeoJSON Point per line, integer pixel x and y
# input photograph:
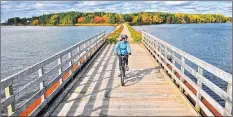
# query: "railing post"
{"type": "Point", "coordinates": [228, 105]}
{"type": "Point", "coordinates": [8, 93]}
{"type": "Point", "coordinates": [60, 70]}
{"type": "Point", "coordinates": [84, 46]}
{"type": "Point", "coordinates": [174, 63]}
{"type": "Point", "coordinates": [199, 86]}
{"type": "Point", "coordinates": [70, 63]}
{"type": "Point", "coordinates": [42, 84]}
{"type": "Point", "coordinates": [142, 36]}
{"type": "Point", "coordinates": [159, 48]}
{"type": "Point", "coordinates": [182, 72]}
{"type": "Point", "coordinates": [165, 51]}
{"type": "Point", "coordinates": [154, 46]}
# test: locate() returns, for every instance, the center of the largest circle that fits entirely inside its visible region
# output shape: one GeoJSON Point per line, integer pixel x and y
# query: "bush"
{"type": "Point", "coordinates": [136, 35]}
{"type": "Point", "coordinates": [112, 37]}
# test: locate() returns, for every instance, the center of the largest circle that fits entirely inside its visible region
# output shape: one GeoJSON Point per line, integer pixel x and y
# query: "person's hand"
{"type": "Point", "coordinates": [129, 53]}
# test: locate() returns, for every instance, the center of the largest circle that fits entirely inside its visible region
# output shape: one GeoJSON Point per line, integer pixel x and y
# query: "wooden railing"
{"type": "Point", "coordinates": [168, 56]}
{"type": "Point", "coordinates": [67, 62]}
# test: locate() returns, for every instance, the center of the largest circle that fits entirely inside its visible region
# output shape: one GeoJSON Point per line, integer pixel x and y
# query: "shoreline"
{"type": "Point", "coordinates": [69, 25]}
{"type": "Point", "coordinates": [109, 24]}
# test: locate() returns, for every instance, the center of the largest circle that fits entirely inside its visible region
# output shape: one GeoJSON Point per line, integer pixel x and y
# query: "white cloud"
{"type": "Point", "coordinates": [29, 8]}
{"type": "Point", "coordinates": [175, 2]}
{"type": "Point", "coordinates": [2, 2]}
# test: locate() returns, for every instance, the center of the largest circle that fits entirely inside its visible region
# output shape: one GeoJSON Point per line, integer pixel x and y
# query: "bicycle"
{"type": "Point", "coordinates": [122, 69]}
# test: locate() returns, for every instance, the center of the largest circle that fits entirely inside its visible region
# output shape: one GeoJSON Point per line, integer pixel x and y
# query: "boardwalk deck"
{"type": "Point", "coordinates": [148, 90]}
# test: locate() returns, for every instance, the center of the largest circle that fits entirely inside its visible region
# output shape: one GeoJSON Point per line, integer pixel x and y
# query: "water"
{"type": "Point", "coordinates": [209, 42]}
{"type": "Point", "coordinates": [22, 47]}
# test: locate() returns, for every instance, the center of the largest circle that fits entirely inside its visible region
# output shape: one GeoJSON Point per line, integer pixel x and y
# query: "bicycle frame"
{"type": "Point", "coordinates": [122, 69]}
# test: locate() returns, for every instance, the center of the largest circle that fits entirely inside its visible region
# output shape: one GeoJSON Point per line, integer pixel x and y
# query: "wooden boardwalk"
{"type": "Point", "coordinates": [148, 91]}
{"type": "Point", "coordinates": [82, 81]}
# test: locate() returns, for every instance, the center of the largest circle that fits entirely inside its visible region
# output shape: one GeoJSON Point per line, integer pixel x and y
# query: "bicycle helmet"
{"type": "Point", "coordinates": [124, 36]}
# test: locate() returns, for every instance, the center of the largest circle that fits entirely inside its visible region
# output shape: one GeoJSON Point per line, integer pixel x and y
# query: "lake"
{"type": "Point", "coordinates": [22, 47]}
{"type": "Point", "coordinates": [209, 42]}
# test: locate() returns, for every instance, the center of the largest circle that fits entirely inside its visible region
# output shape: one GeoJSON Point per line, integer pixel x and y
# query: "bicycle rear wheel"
{"type": "Point", "coordinates": [122, 76]}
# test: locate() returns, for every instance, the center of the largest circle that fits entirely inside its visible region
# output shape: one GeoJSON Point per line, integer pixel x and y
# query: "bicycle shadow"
{"type": "Point", "coordinates": [135, 76]}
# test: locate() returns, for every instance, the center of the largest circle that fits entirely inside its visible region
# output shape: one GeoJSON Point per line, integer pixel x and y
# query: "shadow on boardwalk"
{"type": "Point", "coordinates": [72, 104]}
{"type": "Point", "coordinates": [135, 76]}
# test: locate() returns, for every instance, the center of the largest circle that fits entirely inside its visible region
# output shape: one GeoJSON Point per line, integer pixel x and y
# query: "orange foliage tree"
{"type": "Point", "coordinates": [81, 20]}
{"type": "Point", "coordinates": [99, 19]}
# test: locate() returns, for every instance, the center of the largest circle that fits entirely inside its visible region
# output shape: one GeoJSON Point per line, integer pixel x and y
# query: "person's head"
{"type": "Point", "coordinates": [124, 37]}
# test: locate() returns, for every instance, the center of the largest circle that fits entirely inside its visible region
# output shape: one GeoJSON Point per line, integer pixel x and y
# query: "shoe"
{"type": "Point", "coordinates": [127, 68]}
{"type": "Point", "coordinates": [120, 75]}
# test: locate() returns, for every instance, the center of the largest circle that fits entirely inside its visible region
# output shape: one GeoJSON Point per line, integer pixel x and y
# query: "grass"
{"type": "Point", "coordinates": [112, 37]}
{"type": "Point", "coordinates": [136, 35]}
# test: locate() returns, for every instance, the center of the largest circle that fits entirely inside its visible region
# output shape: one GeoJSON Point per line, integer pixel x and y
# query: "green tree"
{"type": "Point", "coordinates": [54, 20]}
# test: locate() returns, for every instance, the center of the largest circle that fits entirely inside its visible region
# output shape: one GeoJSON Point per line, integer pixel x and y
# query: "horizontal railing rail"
{"type": "Point", "coordinates": [67, 62]}
{"type": "Point", "coordinates": [168, 56]}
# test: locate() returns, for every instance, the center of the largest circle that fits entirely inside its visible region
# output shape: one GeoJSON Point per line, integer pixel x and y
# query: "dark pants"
{"type": "Point", "coordinates": [120, 60]}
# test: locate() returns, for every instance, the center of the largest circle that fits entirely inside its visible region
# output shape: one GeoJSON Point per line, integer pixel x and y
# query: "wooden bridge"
{"type": "Point", "coordinates": [82, 81]}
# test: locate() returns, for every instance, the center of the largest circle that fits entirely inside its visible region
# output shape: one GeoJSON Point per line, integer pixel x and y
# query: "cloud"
{"type": "Point", "coordinates": [32, 8]}
{"type": "Point", "coordinates": [2, 2]}
{"type": "Point", "coordinates": [175, 2]}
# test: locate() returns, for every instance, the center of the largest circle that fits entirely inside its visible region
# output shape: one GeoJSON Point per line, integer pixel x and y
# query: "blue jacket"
{"type": "Point", "coordinates": [122, 47]}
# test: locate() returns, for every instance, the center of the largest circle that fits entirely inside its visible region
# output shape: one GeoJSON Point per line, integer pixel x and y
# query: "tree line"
{"type": "Point", "coordinates": [141, 18]}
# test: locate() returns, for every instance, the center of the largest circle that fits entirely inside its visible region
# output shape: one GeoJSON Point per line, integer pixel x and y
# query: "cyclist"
{"type": "Point", "coordinates": [123, 48]}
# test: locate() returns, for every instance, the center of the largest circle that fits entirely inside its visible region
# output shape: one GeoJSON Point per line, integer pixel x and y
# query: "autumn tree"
{"type": "Point", "coordinates": [98, 19]}
{"type": "Point", "coordinates": [194, 19]}
{"type": "Point", "coordinates": [180, 18]}
{"type": "Point", "coordinates": [157, 19]}
{"type": "Point", "coordinates": [81, 20]}
{"type": "Point", "coordinates": [112, 18]}
{"type": "Point", "coordinates": [106, 19]}
{"type": "Point", "coordinates": [35, 22]}
{"type": "Point", "coordinates": [147, 18]}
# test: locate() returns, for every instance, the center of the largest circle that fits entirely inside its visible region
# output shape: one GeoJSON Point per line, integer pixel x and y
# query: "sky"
{"type": "Point", "coordinates": [34, 8]}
